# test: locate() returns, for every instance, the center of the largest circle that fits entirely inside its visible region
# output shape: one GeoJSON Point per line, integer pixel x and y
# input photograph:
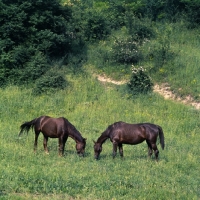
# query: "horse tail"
{"type": "Point", "coordinates": [25, 127]}
{"type": "Point", "coordinates": [161, 136]}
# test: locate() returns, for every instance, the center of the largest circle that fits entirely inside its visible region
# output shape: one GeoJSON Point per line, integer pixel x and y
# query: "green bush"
{"type": "Point", "coordinates": [161, 51]}
{"type": "Point", "coordinates": [97, 27]}
{"type": "Point", "coordinates": [33, 33]}
{"type": "Point", "coordinates": [140, 29]}
{"type": "Point", "coordinates": [140, 82]}
{"type": "Point", "coordinates": [142, 32]}
{"type": "Point", "coordinates": [50, 82]}
{"type": "Point", "coordinates": [192, 12]}
{"type": "Point", "coordinates": [125, 50]}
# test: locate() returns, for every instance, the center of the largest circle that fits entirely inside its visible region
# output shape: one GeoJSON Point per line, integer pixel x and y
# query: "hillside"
{"type": "Point", "coordinates": [74, 61]}
{"type": "Point", "coordinates": [43, 40]}
{"type": "Point", "coordinates": [163, 90]}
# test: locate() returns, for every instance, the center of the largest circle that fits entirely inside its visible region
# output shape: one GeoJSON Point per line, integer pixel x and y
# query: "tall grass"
{"type": "Point", "coordinates": [188, 61]}
{"type": "Point", "coordinates": [91, 106]}
{"type": "Point", "coordinates": [172, 56]}
{"type": "Point", "coordinates": [179, 64]}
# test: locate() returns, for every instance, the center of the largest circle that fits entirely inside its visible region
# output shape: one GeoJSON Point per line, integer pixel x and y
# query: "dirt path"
{"type": "Point", "coordinates": [163, 90]}
{"type": "Point", "coordinates": [166, 92]}
{"type": "Point", "coordinates": [106, 79]}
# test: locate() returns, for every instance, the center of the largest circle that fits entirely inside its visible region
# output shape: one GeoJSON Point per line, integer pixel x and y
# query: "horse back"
{"type": "Point", "coordinates": [52, 127]}
{"type": "Point", "coordinates": [128, 133]}
{"type": "Point", "coordinates": [153, 128]}
{"type": "Point", "coordinates": [39, 122]}
{"type": "Point", "coordinates": [152, 131]}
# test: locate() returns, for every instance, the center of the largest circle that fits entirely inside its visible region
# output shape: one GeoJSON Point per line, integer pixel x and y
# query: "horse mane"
{"type": "Point", "coordinates": [106, 134]}
{"type": "Point", "coordinates": [73, 132]}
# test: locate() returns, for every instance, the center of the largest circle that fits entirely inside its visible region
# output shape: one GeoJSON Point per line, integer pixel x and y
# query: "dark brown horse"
{"type": "Point", "coordinates": [59, 128]}
{"type": "Point", "coordinates": [123, 133]}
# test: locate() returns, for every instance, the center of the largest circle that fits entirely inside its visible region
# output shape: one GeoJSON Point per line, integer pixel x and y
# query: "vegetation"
{"type": "Point", "coordinates": [140, 82]}
{"type": "Point", "coordinates": [91, 107]}
{"type": "Point", "coordinates": [50, 52]}
{"type": "Point", "coordinates": [41, 36]}
{"type": "Point", "coordinates": [33, 33]}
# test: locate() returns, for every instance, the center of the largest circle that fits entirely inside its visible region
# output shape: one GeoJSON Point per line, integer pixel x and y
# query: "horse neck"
{"type": "Point", "coordinates": [104, 136]}
{"type": "Point", "coordinates": [74, 134]}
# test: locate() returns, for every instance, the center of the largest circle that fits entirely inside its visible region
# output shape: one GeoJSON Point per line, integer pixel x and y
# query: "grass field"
{"type": "Point", "coordinates": [91, 107]}
{"type": "Point", "coordinates": [171, 57]}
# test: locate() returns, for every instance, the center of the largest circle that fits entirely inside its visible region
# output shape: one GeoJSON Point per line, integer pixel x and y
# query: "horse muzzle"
{"type": "Point", "coordinates": [96, 157]}
{"type": "Point", "coordinates": [81, 154]}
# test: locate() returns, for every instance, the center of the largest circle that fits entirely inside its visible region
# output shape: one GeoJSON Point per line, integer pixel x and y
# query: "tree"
{"type": "Point", "coordinates": [32, 33]}
{"type": "Point", "coordinates": [192, 8]}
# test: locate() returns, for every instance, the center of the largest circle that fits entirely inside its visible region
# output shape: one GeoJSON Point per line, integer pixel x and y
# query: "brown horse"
{"type": "Point", "coordinates": [59, 128]}
{"type": "Point", "coordinates": [123, 133]}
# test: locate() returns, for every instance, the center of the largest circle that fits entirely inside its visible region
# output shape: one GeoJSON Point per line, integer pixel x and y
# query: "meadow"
{"type": "Point", "coordinates": [91, 106]}
{"type": "Point", "coordinates": [169, 51]}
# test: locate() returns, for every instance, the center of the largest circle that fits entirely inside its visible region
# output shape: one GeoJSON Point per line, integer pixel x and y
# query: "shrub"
{"type": "Point", "coordinates": [32, 70]}
{"type": "Point", "coordinates": [32, 34]}
{"type": "Point", "coordinates": [140, 29]}
{"type": "Point", "coordinates": [97, 27]}
{"type": "Point", "coordinates": [161, 51]}
{"type": "Point", "coordinates": [140, 82]}
{"type": "Point", "coordinates": [50, 82]}
{"type": "Point", "coordinates": [125, 50]}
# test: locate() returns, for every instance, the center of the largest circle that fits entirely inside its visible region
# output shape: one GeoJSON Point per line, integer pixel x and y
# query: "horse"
{"type": "Point", "coordinates": [124, 133]}
{"type": "Point", "coordinates": [59, 128]}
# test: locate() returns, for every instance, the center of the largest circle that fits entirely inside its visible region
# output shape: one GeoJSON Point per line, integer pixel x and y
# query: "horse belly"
{"type": "Point", "coordinates": [51, 134]}
{"type": "Point", "coordinates": [50, 131]}
{"type": "Point", "coordinates": [132, 140]}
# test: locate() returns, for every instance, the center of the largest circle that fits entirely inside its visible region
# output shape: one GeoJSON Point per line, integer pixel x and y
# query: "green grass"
{"type": "Point", "coordinates": [188, 62]}
{"type": "Point", "coordinates": [91, 107]}
{"type": "Point", "coordinates": [181, 66]}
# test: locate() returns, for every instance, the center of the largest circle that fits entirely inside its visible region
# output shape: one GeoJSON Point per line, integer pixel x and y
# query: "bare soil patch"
{"type": "Point", "coordinates": [164, 90]}
{"type": "Point", "coordinates": [109, 80]}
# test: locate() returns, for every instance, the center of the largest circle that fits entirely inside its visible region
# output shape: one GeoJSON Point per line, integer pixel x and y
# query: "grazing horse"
{"type": "Point", "coordinates": [59, 128]}
{"type": "Point", "coordinates": [123, 133]}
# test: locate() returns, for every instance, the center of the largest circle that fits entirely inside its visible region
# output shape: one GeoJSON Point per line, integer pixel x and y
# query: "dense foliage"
{"type": "Point", "coordinates": [39, 35]}
{"type": "Point", "coordinates": [140, 82]}
{"type": "Point", "coordinates": [33, 33]}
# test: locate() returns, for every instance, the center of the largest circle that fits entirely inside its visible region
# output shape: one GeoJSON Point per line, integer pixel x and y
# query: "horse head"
{"type": "Point", "coordinates": [80, 147]}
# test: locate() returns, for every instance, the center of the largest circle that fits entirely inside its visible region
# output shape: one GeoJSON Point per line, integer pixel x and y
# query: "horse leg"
{"type": "Point", "coordinates": [36, 139]}
{"type": "Point", "coordinates": [62, 142]}
{"type": "Point", "coordinates": [156, 152]}
{"type": "Point", "coordinates": [114, 149]}
{"type": "Point", "coordinates": [150, 152]}
{"type": "Point", "coordinates": [45, 144]}
{"type": "Point", "coordinates": [120, 150]}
